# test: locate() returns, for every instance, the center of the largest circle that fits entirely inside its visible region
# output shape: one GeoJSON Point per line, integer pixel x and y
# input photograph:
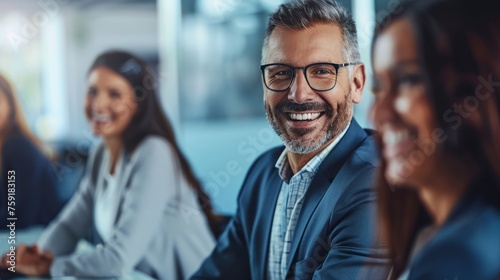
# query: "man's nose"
{"type": "Point", "coordinates": [300, 91]}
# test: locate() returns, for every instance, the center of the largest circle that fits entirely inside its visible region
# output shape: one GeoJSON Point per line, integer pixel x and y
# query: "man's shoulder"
{"type": "Point", "coordinates": [268, 158]}
{"type": "Point", "coordinates": [261, 174]}
{"type": "Point", "coordinates": [264, 165]}
{"type": "Point", "coordinates": [366, 153]}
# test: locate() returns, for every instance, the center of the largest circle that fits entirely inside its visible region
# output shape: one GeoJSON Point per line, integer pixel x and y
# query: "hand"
{"type": "Point", "coordinates": [30, 261]}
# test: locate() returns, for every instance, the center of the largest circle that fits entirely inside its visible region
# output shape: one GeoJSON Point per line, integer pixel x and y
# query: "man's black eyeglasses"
{"type": "Point", "coordinates": [319, 76]}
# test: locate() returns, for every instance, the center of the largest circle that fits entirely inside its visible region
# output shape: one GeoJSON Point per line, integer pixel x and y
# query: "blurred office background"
{"type": "Point", "coordinates": [206, 54]}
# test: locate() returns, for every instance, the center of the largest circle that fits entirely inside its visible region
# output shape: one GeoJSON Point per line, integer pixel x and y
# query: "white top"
{"type": "Point", "coordinates": [107, 200]}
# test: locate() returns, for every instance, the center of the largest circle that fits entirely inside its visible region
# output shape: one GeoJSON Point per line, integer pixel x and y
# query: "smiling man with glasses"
{"type": "Point", "coordinates": [306, 211]}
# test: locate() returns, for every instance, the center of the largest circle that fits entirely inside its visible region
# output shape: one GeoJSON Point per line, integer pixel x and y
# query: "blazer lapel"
{"type": "Point", "coordinates": [322, 181]}
{"type": "Point", "coordinates": [125, 170]}
{"type": "Point", "coordinates": [266, 215]}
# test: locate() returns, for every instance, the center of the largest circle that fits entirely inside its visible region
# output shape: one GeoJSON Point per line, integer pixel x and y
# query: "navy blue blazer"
{"type": "Point", "coordinates": [334, 236]}
{"type": "Point", "coordinates": [468, 244]}
{"type": "Point", "coordinates": [36, 198]}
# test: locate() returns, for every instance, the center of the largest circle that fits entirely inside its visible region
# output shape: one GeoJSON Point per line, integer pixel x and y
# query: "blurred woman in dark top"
{"type": "Point", "coordinates": [437, 89]}
{"type": "Point", "coordinates": [36, 199]}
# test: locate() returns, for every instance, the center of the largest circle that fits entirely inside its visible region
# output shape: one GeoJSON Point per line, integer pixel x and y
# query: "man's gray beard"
{"type": "Point", "coordinates": [297, 146]}
{"type": "Point", "coordinates": [339, 123]}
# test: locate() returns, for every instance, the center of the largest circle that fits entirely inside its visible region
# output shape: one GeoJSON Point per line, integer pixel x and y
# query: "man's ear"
{"type": "Point", "coordinates": [358, 82]}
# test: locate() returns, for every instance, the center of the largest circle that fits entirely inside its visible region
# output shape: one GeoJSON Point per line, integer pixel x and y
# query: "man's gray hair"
{"type": "Point", "coordinates": [300, 14]}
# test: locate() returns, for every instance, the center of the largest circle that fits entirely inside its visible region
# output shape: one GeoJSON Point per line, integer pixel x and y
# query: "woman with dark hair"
{"type": "Point", "coordinates": [33, 182]}
{"type": "Point", "coordinates": [437, 108]}
{"type": "Point", "coordinates": [139, 199]}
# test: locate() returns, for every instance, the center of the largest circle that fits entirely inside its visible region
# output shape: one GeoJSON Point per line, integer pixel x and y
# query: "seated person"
{"type": "Point", "coordinates": [26, 173]}
{"type": "Point", "coordinates": [437, 108]}
{"type": "Point", "coordinates": [306, 210]}
{"type": "Point", "coordinates": [139, 198]}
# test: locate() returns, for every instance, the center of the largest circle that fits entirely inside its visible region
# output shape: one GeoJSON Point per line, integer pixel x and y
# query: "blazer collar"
{"type": "Point", "coordinates": [347, 145]}
{"type": "Point", "coordinates": [323, 179]}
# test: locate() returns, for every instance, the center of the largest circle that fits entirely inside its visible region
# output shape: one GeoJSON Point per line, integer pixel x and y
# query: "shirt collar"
{"type": "Point", "coordinates": [312, 166]}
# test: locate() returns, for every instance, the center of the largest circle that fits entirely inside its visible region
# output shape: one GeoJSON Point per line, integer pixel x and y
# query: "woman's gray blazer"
{"type": "Point", "coordinates": [159, 229]}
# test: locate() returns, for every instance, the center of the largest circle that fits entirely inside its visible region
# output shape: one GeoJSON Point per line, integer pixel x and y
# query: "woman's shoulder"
{"type": "Point", "coordinates": [18, 140]}
{"type": "Point", "coordinates": [19, 146]}
{"type": "Point", "coordinates": [477, 229]}
{"type": "Point", "coordinates": [153, 141]}
{"type": "Point", "coordinates": [153, 148]}
{"type": "Point", "coordinates": [150, 148]}
{"type": "Point", "coordinates": [467, 245]}
{"type": "Point", "coordinates": [480, 218]}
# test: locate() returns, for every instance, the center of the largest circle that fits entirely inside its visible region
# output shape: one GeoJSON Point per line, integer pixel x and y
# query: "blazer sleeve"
{"type": "Point", "coordinates": [152, 185]}
{"type": "Point", "coordinates": [75, 220]}
{"type": "Point", "coordinates": [353, 254]}
{"type": "Point", "coordinates": [230, 258]}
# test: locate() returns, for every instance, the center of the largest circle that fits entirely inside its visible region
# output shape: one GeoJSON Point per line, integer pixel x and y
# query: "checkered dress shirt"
{"type": "Point", "coordinates": [288, 206]}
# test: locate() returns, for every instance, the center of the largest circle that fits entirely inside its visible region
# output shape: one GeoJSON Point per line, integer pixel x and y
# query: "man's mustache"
{"type": "Point", "coordinates": [290, 106]}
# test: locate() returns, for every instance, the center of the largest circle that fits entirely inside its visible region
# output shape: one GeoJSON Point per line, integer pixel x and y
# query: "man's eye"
{"type": "Point", "coordinates": [282, 75]}
{"type": "Point", "coordinates": [322, 72]}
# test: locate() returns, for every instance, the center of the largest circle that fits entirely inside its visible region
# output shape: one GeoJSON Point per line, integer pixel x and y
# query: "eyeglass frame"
{"type": "Point", "coordinates": [335, 65]}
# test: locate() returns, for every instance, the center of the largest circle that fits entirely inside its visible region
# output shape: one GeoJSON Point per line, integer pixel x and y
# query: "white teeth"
{"type": "Point", "coordinates": [102, 118]}
{"type": "Point", "coordinates": [304, 117]}
{"type": "Point", "coordinates": [394, 137]}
